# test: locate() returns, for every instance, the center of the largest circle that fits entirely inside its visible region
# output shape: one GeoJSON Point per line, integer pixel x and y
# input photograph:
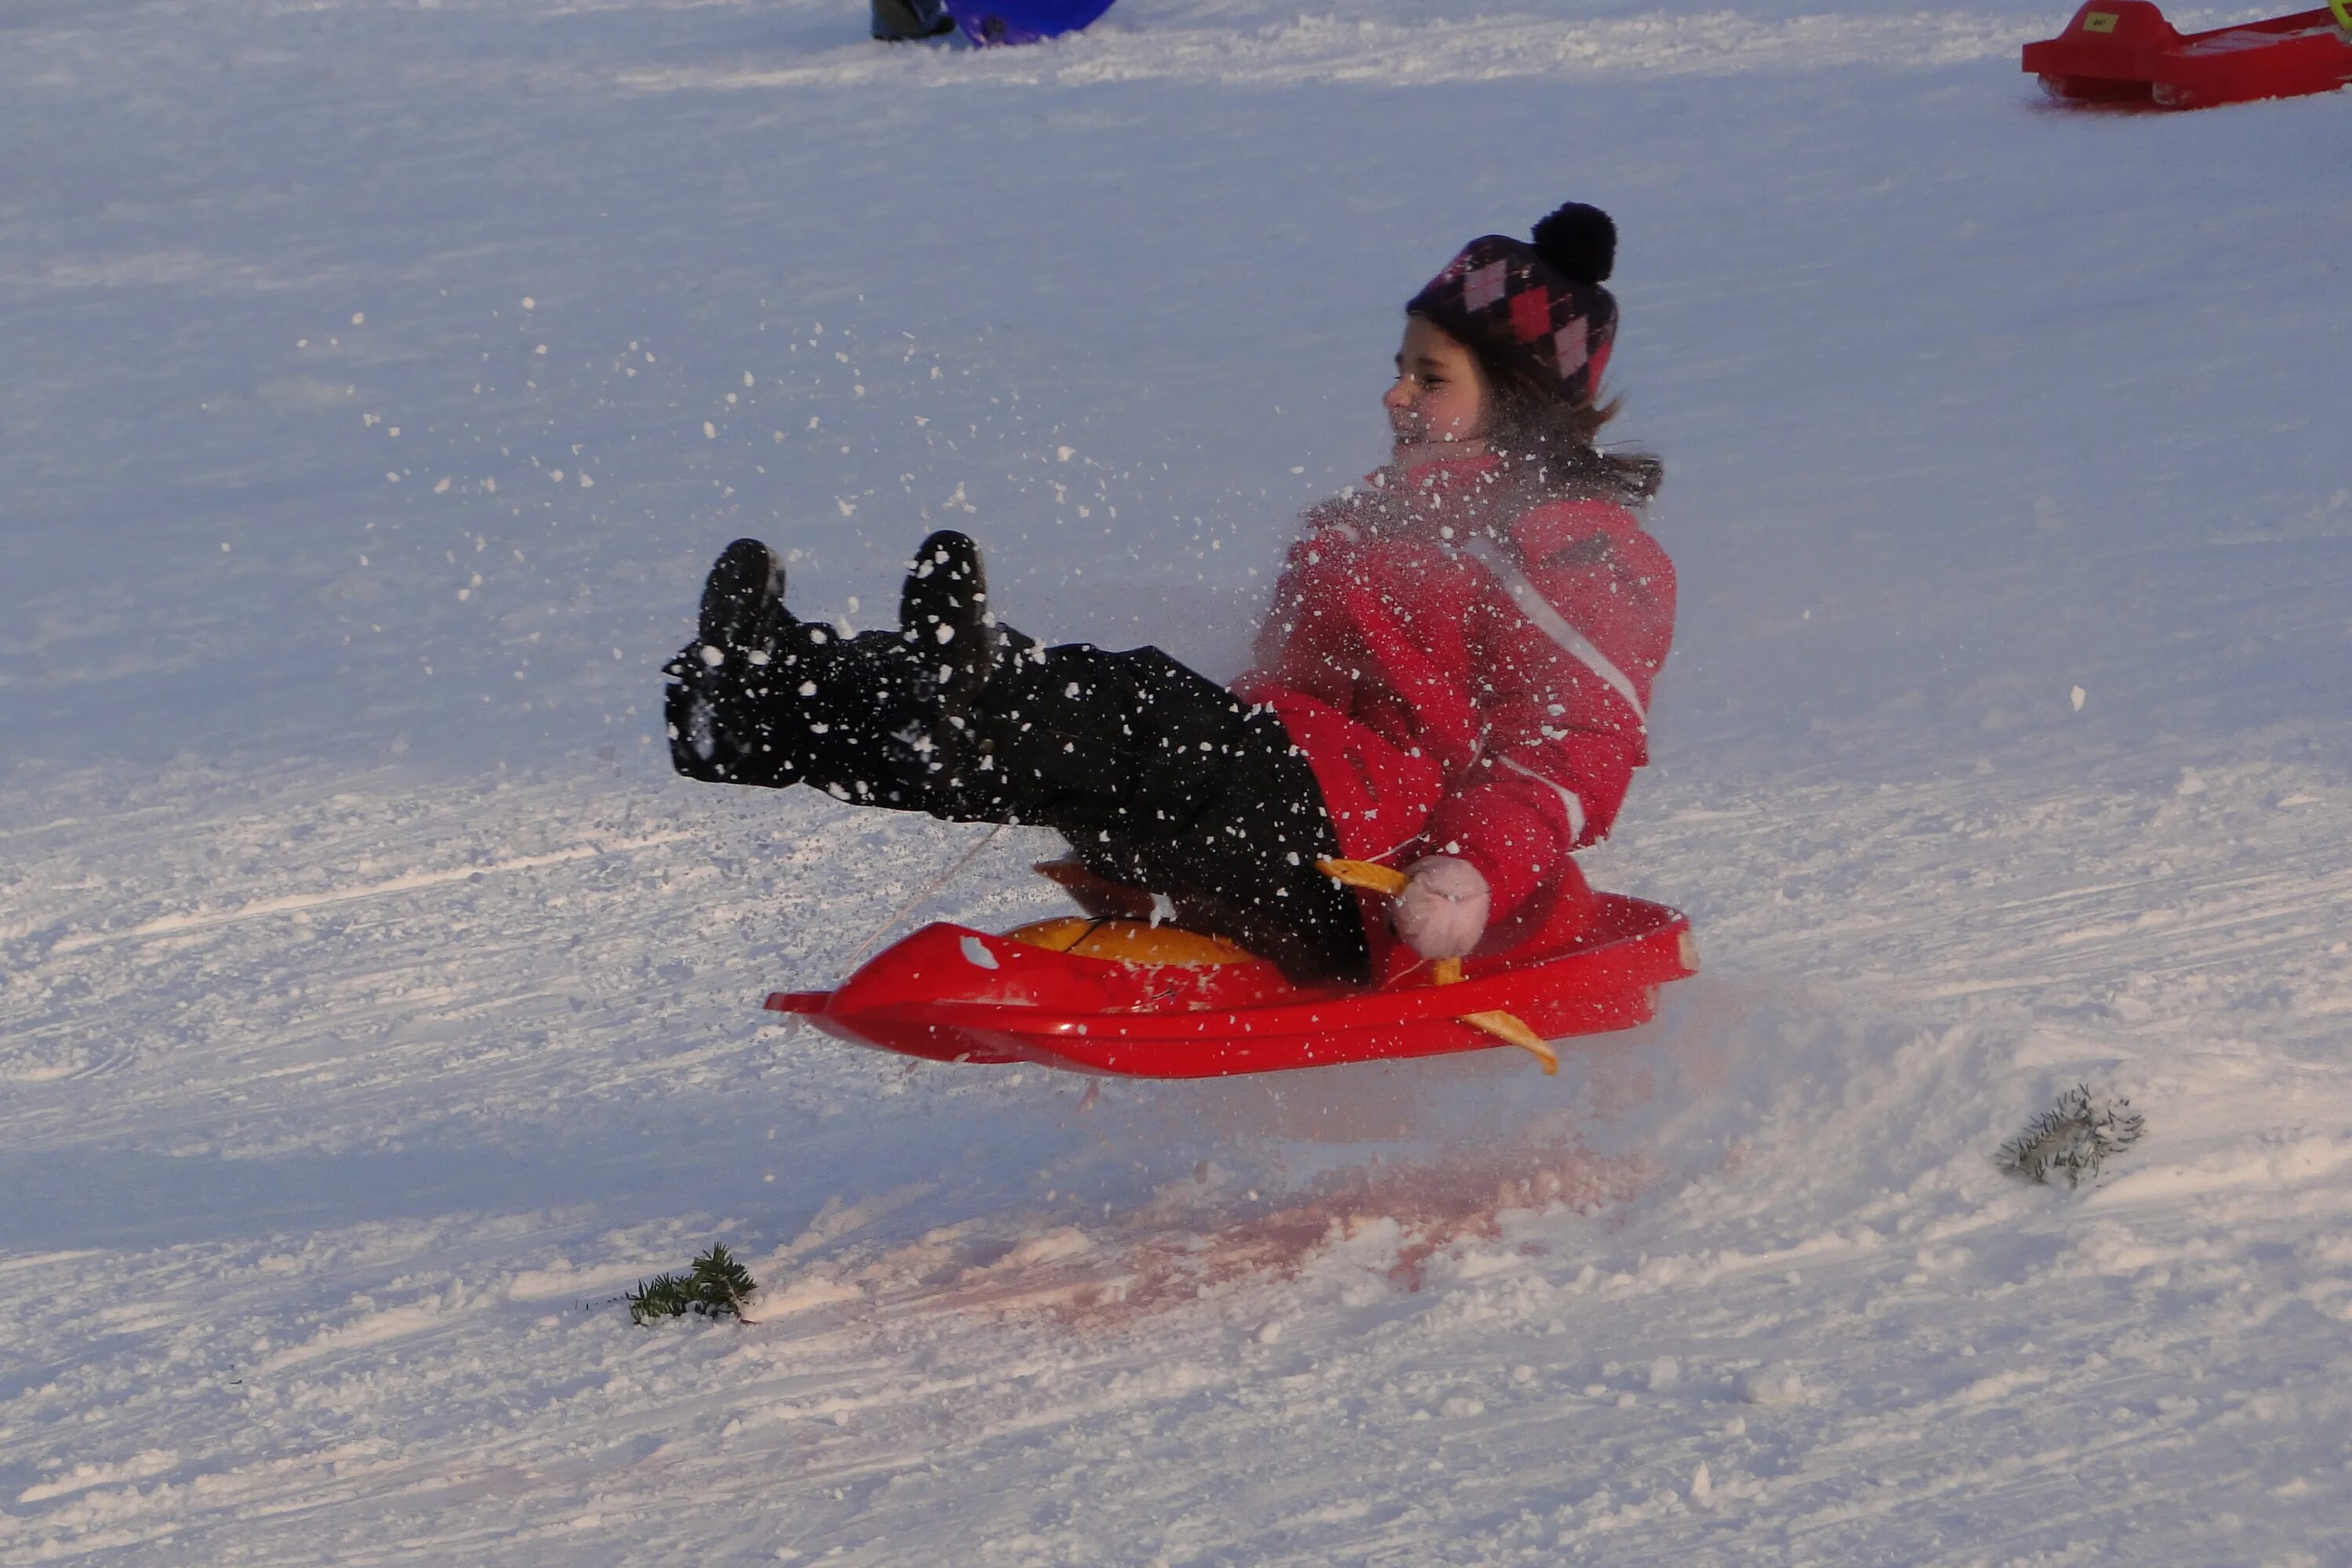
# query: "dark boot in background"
{"type": "Point", "coordinates": [905, 21]}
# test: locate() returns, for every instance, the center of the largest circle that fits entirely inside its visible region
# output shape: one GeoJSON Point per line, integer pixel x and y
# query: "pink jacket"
{"type": "Point", "coordinates": [1467, 675]}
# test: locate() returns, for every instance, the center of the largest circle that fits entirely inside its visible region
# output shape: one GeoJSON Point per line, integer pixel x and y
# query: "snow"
{"type": "Point", "coordinates": [375, 1008]}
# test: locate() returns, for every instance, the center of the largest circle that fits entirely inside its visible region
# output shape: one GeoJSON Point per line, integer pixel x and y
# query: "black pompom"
{"type": "Point", "coordinates": [1580, 243]}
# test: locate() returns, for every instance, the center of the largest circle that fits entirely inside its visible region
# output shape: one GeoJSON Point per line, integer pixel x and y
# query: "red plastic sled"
{"type": "Point", "coordinates": [1154, 1003]}
{"type": "Point", "coordinates": [2125, 52]}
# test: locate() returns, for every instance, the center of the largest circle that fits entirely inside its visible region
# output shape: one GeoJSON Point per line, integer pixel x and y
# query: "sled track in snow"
{"type": "Point", "coordinates": [1391, 1219]}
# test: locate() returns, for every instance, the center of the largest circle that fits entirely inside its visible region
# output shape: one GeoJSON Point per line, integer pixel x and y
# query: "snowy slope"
{"type": "Point", "coordinates": [380, 378]}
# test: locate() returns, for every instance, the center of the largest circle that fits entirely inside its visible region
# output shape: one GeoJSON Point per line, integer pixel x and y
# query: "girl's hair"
{"type": "Point", "coordinates": [1551, 443]}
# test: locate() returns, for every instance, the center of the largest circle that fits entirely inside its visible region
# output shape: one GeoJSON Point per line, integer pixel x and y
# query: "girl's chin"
{"type": "Point", "coordinates": [1407, 454]}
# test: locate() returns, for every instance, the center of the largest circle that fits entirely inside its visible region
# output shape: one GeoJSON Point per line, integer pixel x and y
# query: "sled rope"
{"type": "Point", "coordinates": [873, 938]}
{"type": "Point", "coordinates": [1505, 1026]}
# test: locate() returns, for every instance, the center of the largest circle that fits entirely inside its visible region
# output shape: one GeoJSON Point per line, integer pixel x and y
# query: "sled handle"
{"type": "Point", "coordinates": [1365, 874]}
{"type": "Point", "coordinates": [2343, 9]}
{"type": "Point", "coordinates": [1506, 1026]}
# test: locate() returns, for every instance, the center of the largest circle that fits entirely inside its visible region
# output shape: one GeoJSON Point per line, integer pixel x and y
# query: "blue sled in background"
{"type": "Point", "coordinates": [991, 22]}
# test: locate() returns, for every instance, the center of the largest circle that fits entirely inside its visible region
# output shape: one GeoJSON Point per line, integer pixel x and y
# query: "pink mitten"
{"type": "Point", "coordinates": [1442, 913]}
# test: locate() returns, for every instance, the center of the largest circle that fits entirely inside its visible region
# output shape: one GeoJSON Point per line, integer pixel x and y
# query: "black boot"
{"type": "Point", "coordinates": [902, 21]}
{"type": "Point", "coordinates": [943, 610]}
{"type": "Point", "coordinates": [763, 699]}
{"type": "Point", "coordinates": [740, 597]}
{"type": "Point", "coordinates": [858, 716]}
{"type": "Point", "coordinates": [946, 625]}
{"type": "Point", "coordinates": [712, 678]}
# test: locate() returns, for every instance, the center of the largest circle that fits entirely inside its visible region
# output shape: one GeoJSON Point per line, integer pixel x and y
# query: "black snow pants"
{"type": "Point", "coordinates": [1158, 778]}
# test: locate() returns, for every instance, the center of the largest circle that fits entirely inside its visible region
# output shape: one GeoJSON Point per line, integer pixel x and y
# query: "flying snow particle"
{"type": "Point", "coordinates": [709, 431]}
{"type": "Point", "coordinates": [528, 303]}
{"type": "Point", "coordinates": [2078, 698]}
{"type": "Point", "coordinates": [359, 318]}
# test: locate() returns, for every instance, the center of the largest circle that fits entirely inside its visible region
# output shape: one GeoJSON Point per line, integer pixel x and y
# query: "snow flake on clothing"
{"type": "Point", "coordinates": [1468, 671]}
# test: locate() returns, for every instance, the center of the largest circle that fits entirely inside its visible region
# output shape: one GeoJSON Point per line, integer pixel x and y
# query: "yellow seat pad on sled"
{"type": "Point", "coordinates": [1127, 941]}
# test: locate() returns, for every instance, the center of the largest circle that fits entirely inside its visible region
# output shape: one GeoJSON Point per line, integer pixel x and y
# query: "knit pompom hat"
{"type": "Point", "coordinates": [1543, 300]}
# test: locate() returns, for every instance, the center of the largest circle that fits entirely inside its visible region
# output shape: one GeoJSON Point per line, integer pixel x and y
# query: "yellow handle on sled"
{"type": "Point", "coordinates": [1505, 1026]}
{"type": "Point", "coordinates": [2343, 9]}
{"type": "Point", "coordinates": [1367, 875]}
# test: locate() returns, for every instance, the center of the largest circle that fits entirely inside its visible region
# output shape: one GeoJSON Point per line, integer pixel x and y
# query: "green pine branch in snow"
{"type": "Point", "coordinates": [2075, 1137]}
{"type": "Point", "coordinates": [716, 1287]}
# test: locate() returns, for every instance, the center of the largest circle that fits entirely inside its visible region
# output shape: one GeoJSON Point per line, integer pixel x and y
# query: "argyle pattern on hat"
{"type": "Point", "coordinates": [1500, 289]}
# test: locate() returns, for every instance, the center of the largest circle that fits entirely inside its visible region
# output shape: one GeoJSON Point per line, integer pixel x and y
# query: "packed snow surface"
{"type": "Point", "coordinates": [375, 1008]}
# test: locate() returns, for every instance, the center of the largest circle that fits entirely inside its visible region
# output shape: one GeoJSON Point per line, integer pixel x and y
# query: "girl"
{"type": "Point", "coordinates": [1455, 676]}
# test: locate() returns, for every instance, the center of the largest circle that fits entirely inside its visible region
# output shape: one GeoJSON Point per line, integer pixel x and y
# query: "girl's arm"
{"type": "Point", "coordinates": [1523, 811]}
{"type": "Point", "coordinates": [1575, 622]}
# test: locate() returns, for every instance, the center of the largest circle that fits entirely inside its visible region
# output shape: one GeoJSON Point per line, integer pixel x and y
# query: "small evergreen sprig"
{"type": "Point", "coordinates": [716, 1287]}
{"type": "Point", "coordinates": [2077, 1136]}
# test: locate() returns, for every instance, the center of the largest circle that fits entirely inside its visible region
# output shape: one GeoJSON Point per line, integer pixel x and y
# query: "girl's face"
{"type": "Point", "coordinates": [1439, 398]}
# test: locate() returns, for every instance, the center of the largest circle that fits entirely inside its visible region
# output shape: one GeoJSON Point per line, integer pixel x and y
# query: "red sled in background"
{"type": "Point", "coordinates": [2125, 52]}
